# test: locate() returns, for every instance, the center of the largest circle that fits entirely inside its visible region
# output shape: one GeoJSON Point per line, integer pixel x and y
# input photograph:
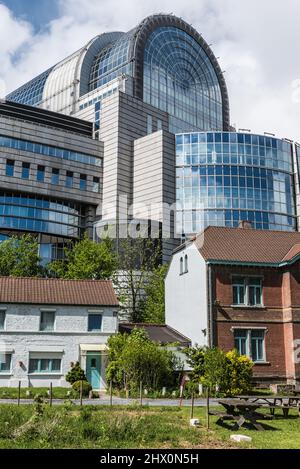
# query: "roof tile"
{"type": "Point", "coordinates": [247, 245]}
{"type": "Point", "coordinates": [57, 291]}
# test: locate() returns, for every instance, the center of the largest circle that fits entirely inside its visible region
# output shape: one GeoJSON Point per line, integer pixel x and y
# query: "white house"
{"type": "Point", "coordinates": [186, 293]}
{"type": "Point", "coordinates": [47, 324]}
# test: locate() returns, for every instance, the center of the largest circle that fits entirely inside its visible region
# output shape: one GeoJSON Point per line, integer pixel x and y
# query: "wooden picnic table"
{"type": "Point", "coordinates": [241, 411]}
{"type": "Point", "coordinates": [285, 403]}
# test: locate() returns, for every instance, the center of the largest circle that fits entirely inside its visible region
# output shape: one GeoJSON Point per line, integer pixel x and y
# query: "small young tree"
{"type": "Point", "coordinates": [137, 260]}
{"type": "Point", "coordinates": [19, 257]}
{"type": "Point", "coordinates": [153, 308]}
{"type": "Point", "coordinates": [86, 260]}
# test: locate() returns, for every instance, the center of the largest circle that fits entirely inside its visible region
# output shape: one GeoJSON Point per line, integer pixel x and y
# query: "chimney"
{"type": "Point", "coordinates": [245, 224]}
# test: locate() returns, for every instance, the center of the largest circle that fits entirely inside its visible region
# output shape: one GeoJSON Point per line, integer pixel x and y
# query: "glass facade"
{"type": "Point", "coordinates": [180, 79]}
{"type": "Point", "coordinates": [223, 178]}
{"type": "Point", "coordinates": [41, 215]}
{"type": "Point", "coordinates": [32, 92]}
{"type": "Point", "coordinates": [111, 63]}
{"type": "Point", "coordinates": [47, 150]}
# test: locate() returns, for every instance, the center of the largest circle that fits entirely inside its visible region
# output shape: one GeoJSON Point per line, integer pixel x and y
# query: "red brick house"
{"type": "Point", "coordinates": [238, 287]}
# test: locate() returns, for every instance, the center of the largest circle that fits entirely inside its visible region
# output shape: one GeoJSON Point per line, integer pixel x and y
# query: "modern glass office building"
{"type": "Point", "coordinates": [158, 105]}
{"type": "Point", "coordinates": [223, 178]}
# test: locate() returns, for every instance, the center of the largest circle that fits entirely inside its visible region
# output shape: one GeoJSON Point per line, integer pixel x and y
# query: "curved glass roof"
{"type": "Point", "coordinates": [111, 62]}
{"type": "Point", "coordinates": [179, 78]}
{"type": "Point", "coordinates": [32, 92]}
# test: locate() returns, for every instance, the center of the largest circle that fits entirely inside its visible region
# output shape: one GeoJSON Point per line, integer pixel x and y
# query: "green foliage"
{"type": "Point", "coordinates": [136, 261]}
{"type": "Point", "coordinates": [86, 260]}
{"type": "Point", "coordinates": [135, 358]}
{"type": "Point", "coordinates": [19, 257]}
{"type": "Point", "coordinates": [230, 373]}
{"type": "Point", "coordinates": [154, 303]}
{"type": "Point", "coordinates": [238, 374]}
{"type": "Point", "coordinates": [76, 373]}
{"type": "Point", "coordinates": [86, 387]}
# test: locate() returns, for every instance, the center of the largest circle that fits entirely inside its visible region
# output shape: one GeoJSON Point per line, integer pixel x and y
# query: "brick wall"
{"type": "Point", "coordinates": [280, 315]}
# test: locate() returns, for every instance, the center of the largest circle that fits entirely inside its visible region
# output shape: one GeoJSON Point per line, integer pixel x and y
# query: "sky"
{"type": "Point", "coordinates": [256, 43]}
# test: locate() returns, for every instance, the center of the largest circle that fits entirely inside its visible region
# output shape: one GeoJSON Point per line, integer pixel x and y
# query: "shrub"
{"type": "Point", "coordinates": [228, 373]}
{"type": "Point", "coordinates": [237, 379]}
{"type": "Point", "coordinates": [86, 387]}
{"type": "Point", "coordinates": [75, 374]}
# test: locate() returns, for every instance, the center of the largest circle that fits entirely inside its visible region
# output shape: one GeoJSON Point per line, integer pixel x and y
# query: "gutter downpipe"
{"type": "Point", "coordinates": [210, 309]}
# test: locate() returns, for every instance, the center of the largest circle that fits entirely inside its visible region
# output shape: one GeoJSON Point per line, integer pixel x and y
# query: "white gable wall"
{"type": "Point", "coordinates": [186, 296]}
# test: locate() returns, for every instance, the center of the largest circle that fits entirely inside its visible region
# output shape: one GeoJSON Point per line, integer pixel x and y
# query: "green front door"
{"type": "Point", "coordinates": [93, 370]}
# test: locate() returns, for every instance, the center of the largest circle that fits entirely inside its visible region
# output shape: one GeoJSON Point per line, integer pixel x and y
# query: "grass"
{"type": "Point", "coordinates": [57, 393]}
{"type": "Point", "coordinates": [70, 426]}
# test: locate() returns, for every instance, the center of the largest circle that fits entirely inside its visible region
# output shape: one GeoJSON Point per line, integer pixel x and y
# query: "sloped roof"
{"type": "Point", "coordinates": [57, 291]}
{"type": "Point", "coordinates": [158, 332]}
{"type": "Point", "coordinates": [248, 245]}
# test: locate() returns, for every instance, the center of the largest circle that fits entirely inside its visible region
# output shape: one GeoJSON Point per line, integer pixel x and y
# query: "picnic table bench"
{"type": "Point", "coordinates": [284, 403]}
{"type": "Point", "coordinates": [241, 412]}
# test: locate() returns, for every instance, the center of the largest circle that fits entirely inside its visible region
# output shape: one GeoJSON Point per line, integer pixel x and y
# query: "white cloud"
{"type": "Point", "coordinates": [256, 41]}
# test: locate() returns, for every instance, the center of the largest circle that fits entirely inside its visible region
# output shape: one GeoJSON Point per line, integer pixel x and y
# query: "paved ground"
{"type": "Point", "coordinates": [104, 400]}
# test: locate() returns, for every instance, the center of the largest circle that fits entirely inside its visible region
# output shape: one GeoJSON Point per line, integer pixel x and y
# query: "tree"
{"type": "Point", "coordinates": [19, 257]}
{"type": "Point", "coordinates": [137, 260]}
{"type": "Point", "coordinates": [153, 309]}
{"type": "Point", "coordinates": [135, 358]}
{"type": "Point", "coordinates": [86, 260]}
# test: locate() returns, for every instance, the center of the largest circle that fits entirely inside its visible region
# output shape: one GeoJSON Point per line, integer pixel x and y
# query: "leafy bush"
{"type": "Point", "coordinates": [75, 374]}
{"type": "Point", "coordinates": [135, 358]}
{"type": "Point", "coordinates": [86, 387]}
{"type": "Point", "coordinates": [227, 373]}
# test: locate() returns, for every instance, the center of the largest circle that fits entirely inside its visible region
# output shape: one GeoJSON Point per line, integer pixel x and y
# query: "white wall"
{"type": "Point", "coordinates": [186, 296]}
{"type": "Point", "coordinates": [22, 338]}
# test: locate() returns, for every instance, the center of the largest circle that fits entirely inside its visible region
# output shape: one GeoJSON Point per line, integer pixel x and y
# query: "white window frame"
{"type": "Point", "coordinates": [249, 339]}
{"type": "Point", "coordinates": [247, 279]}
{"type": "Point", "coordinates": [49, 331]}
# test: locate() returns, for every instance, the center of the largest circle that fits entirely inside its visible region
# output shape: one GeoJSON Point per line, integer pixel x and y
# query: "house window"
{"type": "Point", "coordinates": [5, 362]}
{"type": "Point", "coordinates": [250, 342]}
{"type": "Point", "coordinates": [82, 182]}
{"type": "Point", "coordinates": [10, 166]}
{"type": "Point", "coordinates": [55, 176]}
{"type": "Point", "coordinates": [247, 291]}
{"type": "Point", "coordinates": [181, 265]}
{"type": "Point", "coordinates": [185, 264]}
{"type": "Point", "coordinates": [96, 184]}
{"type": "Point", "coordinates": [25, 170]}
{"type": "Point", "coordinates": [159, 124]}
{"type": "Point", "coordinates": [44, 365]}
{"type": "Point", "coordinates": [95, 322]}
{"type": "Point", "coordinates": [47, 320]}
{"type": "Point", "coordinates": [2, 320]}
{"type": "Point", "coordinates": [40, 174]}
{"type": "Point", "coordinates": [69, 179]}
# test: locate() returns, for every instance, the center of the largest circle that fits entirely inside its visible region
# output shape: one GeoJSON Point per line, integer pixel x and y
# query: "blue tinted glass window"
{"type": "Point", "coordinates": [25, 170]}
{"type": "Point", "coordinates": [82, 182]}
{"type": "Point", "coordinates": [55, 176]}
{"type": "Point", "coordinates": [10, 165]}
{"type": "Point", "coordinates": [40, 174]}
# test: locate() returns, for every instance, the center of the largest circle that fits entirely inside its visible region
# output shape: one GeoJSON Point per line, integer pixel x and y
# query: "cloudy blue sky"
{"type": "Point", "coordinates": [256, 42]}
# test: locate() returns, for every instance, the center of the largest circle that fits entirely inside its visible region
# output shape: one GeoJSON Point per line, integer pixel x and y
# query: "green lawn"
{"type": "Point", "coordinates": [70, 426]}
{"type": "Point", "coordinates": [57, 393]}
